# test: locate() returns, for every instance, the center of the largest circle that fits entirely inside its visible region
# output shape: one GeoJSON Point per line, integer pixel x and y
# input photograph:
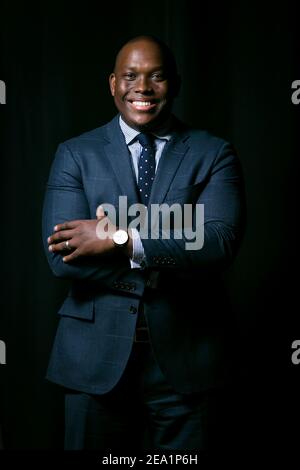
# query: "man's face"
{"type": "Point", "coordinates": [141, 86]}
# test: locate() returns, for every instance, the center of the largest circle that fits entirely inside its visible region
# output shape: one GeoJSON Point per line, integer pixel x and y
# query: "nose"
{"type": "Point", "coordinates": [143, 85]}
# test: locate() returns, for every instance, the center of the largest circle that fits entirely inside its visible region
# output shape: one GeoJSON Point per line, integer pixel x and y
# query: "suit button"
{"type": "Point", "coordinates": [133, 309]}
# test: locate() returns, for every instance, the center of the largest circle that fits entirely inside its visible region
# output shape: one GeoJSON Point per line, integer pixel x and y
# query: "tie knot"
{"type": "Point", "coordinates": [146, 140]}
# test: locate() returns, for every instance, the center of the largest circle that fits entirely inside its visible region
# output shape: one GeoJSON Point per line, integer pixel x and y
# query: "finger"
{"type": "Point", "coordinates": [60, 236]}
{"type": "Point", "coordinates": [67, 225]}
{"type": "Point", "coordinates": [71, 257]}
{"type": "Point", "coordinates": [100, 212]}
{"type": "Point", "coordinates": [59, 247]}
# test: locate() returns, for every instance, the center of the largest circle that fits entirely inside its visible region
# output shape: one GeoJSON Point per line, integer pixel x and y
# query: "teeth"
{"type": "Point", "coordinates": [141, 103]}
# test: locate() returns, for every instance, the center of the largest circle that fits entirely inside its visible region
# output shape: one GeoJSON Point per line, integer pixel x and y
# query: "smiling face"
{"type": "Point", "coordinates": [143, 85]}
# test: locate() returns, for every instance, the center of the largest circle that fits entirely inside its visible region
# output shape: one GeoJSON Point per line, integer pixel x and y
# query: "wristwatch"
{"type": "Point", "coordinates": [120, 238]}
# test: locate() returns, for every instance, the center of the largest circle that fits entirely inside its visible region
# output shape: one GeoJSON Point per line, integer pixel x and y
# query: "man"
{"type": "Point", "coordinates": [143, 345]}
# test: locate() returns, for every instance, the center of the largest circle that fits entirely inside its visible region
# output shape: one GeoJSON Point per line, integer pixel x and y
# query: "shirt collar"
{"type": "Point", "coordinates": [130, 134]}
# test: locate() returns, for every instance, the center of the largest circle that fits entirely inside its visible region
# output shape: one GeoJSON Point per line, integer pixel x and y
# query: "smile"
{"type": "Point", "coordinates": [142, 105]}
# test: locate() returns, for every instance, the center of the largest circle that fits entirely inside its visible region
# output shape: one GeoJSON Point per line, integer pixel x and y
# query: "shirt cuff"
{"type": "Point", "coordinates": [138, 253]}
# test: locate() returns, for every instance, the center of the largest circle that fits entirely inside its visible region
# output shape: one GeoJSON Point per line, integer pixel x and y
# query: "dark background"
{"type": "Point", "coordinates": [237, 61]}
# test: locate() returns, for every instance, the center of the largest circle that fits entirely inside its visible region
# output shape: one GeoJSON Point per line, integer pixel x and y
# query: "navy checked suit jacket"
{"type": "Point", "coordinates": [187, 313]}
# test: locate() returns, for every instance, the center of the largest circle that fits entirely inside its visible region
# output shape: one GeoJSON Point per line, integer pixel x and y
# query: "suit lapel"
{"type": "Point", "coordinates": [119, 157]}
{"type": "Point", "coordinates": [169, 163]}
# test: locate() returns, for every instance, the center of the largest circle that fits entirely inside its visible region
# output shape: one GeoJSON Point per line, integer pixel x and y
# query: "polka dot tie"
{"type": "Point", "coordinates": [146, 167]}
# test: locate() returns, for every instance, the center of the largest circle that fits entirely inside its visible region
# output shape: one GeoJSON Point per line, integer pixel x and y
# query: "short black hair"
{"type": "Point", "coordinates": [168, 55]}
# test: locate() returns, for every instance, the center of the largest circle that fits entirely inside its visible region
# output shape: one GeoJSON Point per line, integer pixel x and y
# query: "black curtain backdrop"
{"type": "Point", "coordinates": [237, 61]}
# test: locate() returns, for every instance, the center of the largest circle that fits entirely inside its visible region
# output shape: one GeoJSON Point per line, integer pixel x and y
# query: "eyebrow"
{"type": "Point", "coordinates": [158, 67]}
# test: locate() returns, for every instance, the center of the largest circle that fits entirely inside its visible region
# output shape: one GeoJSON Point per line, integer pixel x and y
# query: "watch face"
{"type": "Point", "coordinates": [120, 237]}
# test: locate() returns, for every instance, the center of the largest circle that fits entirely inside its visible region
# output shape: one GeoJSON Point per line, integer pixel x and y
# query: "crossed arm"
{"type": "Point", "coordinates": [66, 217]}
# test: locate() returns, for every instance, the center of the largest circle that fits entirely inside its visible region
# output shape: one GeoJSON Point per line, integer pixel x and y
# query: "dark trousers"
{"type": "Point", "coordinates": [143, 412]}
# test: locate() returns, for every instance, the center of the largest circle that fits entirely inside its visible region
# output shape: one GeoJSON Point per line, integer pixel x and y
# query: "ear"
{"type": "Point", "coordinates": [112, 83]}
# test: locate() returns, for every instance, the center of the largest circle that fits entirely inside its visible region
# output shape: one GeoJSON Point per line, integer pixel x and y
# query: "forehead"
{"type": "Point", "coordinates": [139, 54]}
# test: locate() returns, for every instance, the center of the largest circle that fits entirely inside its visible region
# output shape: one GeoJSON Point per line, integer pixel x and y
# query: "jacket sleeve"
{"type": "Point", "coordinates": [65, 200]}
{"type": "Point", "coordinates": [222, 226]}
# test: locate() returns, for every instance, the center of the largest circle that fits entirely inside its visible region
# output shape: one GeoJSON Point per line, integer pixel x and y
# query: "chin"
{"type": "Point", "coordinates": [140, 124]}
{"type": "Point", "coordinates": [144, 123]}
{"type": "Point", "coordinates": [151, 123]}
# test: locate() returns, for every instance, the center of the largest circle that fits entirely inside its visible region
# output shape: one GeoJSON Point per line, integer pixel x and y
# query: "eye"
{"type": "Point", "coordinates": [129, 76]}
{"type": "Point", "coordinates": [158, 76]}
